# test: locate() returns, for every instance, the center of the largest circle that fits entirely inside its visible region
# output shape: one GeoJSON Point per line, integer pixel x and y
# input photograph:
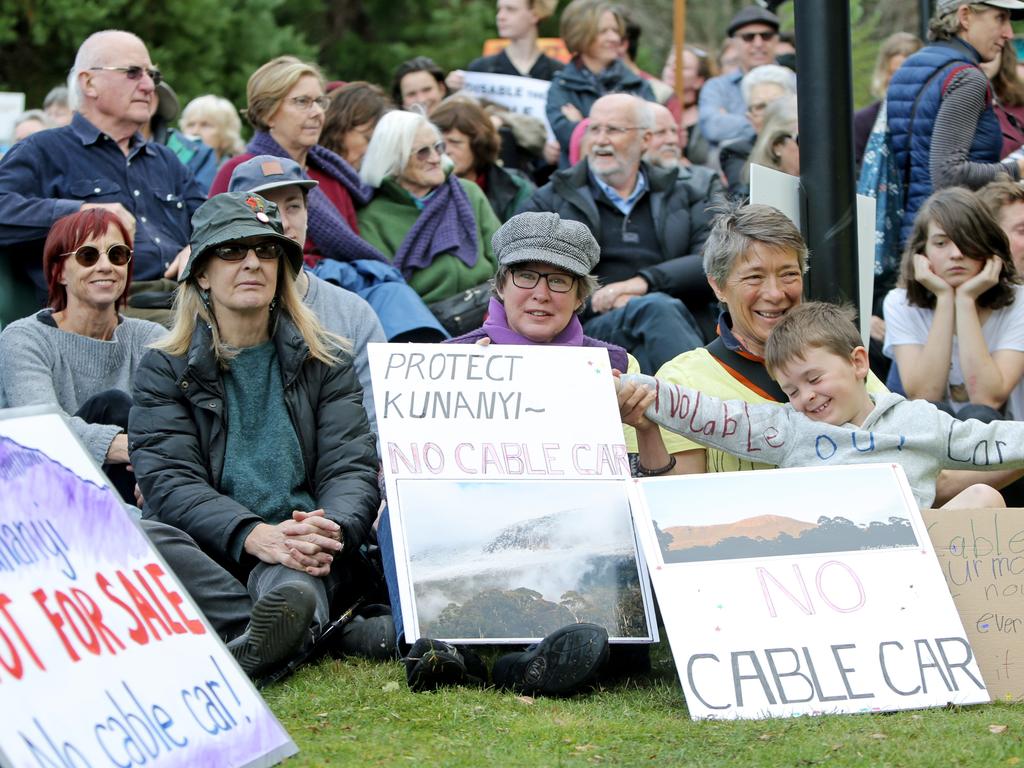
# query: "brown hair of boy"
{"type": "Point", "coordinates": [813, 324]}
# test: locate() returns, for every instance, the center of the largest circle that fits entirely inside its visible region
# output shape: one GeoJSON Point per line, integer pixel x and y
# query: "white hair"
{"type": "Point", "coordinates": [768, 73]}
{"type": "Point", "coordinates": [391, 145]}
{"type": "Point", "coordinates": [91, 53]}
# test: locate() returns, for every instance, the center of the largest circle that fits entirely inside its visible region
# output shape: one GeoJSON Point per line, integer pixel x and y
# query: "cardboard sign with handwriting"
{"type": "Point", "coordinates": [982, 556]}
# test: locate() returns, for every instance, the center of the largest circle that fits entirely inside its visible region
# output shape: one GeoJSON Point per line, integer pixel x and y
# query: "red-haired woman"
{"type": "Point", "coordinates": [79, 353]}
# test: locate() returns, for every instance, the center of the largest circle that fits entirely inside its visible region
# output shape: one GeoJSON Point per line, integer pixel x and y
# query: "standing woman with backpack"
{"type": "Point", "coordinates": [944, 129]}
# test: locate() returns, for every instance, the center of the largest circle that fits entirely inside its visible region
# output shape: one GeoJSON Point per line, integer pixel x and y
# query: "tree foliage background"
{"type": "Point", "coordinates": [212, 46]}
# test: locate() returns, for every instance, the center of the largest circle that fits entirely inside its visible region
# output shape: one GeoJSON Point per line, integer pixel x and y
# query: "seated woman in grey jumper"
{"type": "Point", "coordinates": [79, 353]}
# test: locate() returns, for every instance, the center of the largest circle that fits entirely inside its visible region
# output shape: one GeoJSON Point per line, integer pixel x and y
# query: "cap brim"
{"type": "Point", "coordinates": [292, 249]}
{"type": "Point", "coordinates": [1015, 7]}
{"type": "Point", "coordinates": [306, 184]}
{"type": "Point", "coordinates": [544, 256]}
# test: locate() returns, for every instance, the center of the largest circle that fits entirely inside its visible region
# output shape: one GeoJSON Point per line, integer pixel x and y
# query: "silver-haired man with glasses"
{"type": "Point", "coordinates": [650, 224]}
{"type": "Point", "coordinates": [100, 160]}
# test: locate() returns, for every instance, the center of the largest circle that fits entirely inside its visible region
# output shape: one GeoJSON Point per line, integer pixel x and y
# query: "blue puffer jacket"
{"type": "Point", "coordinates": [914, 97]}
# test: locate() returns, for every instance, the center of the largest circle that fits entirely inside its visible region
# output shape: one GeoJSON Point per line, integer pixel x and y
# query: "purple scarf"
{"type": "Point", "coordinates": [327, 228]}
{"type": "Point", "coordinates": [496, 328]}
{"type": "Point", "coordinates": [445, 224]}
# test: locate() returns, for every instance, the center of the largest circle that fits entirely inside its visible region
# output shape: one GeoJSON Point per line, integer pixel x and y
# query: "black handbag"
{"type": "Point", "coordinates": [463, 312]}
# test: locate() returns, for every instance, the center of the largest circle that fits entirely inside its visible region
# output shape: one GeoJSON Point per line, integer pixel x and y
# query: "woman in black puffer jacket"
{"type": "Point", "coordinates": [248, 433]}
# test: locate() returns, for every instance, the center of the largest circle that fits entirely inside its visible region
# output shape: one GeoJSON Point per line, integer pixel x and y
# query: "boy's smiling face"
{"type": "Point", "coordinates": [827, 387]}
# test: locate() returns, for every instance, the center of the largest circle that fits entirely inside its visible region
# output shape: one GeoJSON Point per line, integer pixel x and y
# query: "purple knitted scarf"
{"type": "Point", "coordinates": [445, 224]}
{"type": "Point", "coordinates": [327, 228]}
{"type": "Point", "coordinates": [496, 328]}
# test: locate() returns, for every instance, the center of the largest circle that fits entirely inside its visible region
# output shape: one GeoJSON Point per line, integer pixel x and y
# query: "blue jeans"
{"type": "Point", "coordinates": [387, 556]}
{"type": "Point", "coordinates": [654, 328]}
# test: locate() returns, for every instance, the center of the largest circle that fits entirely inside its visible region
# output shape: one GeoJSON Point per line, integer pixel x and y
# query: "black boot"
{"type": "Point", "coordinates": [559, 665]}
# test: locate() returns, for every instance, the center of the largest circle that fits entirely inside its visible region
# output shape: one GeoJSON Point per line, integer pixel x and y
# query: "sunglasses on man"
{"type": "Point", "coordinates": [134, 72]}
{"type": "Point", "coordinates": [749, 37]}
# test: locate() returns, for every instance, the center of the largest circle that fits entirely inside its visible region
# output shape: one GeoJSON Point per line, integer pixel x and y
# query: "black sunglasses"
{"type": "Point", "coordinates": [135, 72]}
{"type": "Point", "coordinates": [118, 255]}
{"type": "Point", "coordinates": [748, 37]}
{"type": "Point", "coordinates": [238, 251]}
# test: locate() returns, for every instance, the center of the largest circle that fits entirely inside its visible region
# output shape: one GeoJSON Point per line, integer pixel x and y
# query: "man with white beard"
{"type": "Point", "coordinates": [665, 149]}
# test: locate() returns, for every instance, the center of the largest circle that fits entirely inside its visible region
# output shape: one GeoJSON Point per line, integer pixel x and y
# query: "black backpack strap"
{"type": "Point", "coordinates": [750, 373]}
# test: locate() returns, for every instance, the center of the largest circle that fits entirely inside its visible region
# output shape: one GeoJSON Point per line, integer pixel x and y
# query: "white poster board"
{"type": "Point", "coordinates": [12, 104]}
{"type": "Point", "coordinates": [802, 592]}
{"type": "Point", "coordinates": [522, 95]}
{"type": "Point", "coordinates": [507, 477]}
{"type": "Point", "coordinates": [104, 658]}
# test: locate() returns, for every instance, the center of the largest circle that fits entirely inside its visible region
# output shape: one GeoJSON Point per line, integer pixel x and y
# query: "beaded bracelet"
{"type": "Point", "coordinates": [645, 472]}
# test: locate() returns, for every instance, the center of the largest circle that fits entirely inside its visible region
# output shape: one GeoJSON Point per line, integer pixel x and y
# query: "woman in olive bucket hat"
{"type": "Point", "coordinates": [247, 433]}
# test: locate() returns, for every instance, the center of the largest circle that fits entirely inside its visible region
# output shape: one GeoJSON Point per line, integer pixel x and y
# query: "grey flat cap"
{"type": "Point", "coordinates": [546, 238]}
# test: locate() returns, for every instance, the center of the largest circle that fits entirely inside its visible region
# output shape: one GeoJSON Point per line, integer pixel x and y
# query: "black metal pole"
{"type": "Point", "coordinates": [924, 13]}
{"type": "Point", "coordinates": [825, 105]}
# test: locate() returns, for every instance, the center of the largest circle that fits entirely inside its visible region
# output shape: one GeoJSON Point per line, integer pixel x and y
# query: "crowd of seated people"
{"type": "Point", "coordinates": [357, 212]}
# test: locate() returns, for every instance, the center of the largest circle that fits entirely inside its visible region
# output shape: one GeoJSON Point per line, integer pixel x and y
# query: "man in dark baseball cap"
{"type": "Point", "coordinates": [282, 181]}
{"type": "Point", "coordinates": [755, 32]}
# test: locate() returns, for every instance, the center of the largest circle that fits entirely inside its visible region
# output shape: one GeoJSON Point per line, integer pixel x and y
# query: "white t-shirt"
{"type": "Point", "coordinates": [1003, 329]}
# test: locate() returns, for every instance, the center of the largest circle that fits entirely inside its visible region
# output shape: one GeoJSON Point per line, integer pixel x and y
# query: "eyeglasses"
{"type": "Point", "coordinates": [748, 37]}
{"type": "Point", "coordinates": [613, 131]}
{"type": "Point", "coordinates": [558, 282]}
{"type": "Point", "coordinates": [118, 255]}
{"type": "Point", "coordinates": [423, 153]}
{"type": "Point", "coordinates": [237, 251]}
{"type": "Point", "coordinates": [760, 106]}
{"type": "Point", "coordinates": [135, 73]}
{"type": "Point", "coordinates": [305, 103]}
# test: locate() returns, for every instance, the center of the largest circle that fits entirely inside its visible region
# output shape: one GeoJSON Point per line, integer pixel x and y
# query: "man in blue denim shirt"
{"type": "Point", "coordinates": [100, 159]}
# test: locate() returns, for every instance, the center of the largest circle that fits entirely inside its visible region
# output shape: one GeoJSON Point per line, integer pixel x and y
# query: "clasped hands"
{"type": "Point", "coordinates": [615, 295]}
{"type": "Point", "coordinates": [308, 542]}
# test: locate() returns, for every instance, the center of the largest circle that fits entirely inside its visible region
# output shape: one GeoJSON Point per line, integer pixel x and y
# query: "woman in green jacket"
{"type": "Point", "coordinates": [435, 227]}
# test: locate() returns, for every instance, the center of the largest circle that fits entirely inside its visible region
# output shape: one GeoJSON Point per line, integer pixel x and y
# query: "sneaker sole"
{"type": "Point", "coordinates": [277, 628]}
{"type": "Point", "coordinates": [565, 660]}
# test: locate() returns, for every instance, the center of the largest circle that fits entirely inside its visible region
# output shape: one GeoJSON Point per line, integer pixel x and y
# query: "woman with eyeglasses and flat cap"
{"type": "Point", "coordinates": [80, 353]}
{"type": "Point", "coordinates": [435, 227]}
{"type": "Point", "coordinates": [248, 434]}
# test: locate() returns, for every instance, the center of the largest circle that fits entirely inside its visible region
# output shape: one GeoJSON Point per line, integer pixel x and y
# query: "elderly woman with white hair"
{"type": "Point", "coordinates": [215, 121]}
{"type": "Point", "coordinates": [435, 227]}
{"type": "Point", "coordinates": [778, 142]}
{"type": "Point", "coordinates": [761, 87]}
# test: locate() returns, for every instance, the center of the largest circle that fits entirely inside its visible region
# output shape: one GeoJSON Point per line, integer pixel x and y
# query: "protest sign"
{"type": "Point", "coordinates": [802, 591]}
{"type": "Point", "coordinates": [506, 479]}
{"type": "Point", "coordinates": [522, 95]}
{"type": "Point", "coordinates": [981, 553]}
{"type": "Point", "coordinates": [12, 104]}
{"type": "Point", "coordinates": [104, 658]}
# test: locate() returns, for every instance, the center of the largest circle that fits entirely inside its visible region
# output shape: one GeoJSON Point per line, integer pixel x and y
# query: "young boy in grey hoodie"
{"type": "Point", "coordinates": [816, 356]}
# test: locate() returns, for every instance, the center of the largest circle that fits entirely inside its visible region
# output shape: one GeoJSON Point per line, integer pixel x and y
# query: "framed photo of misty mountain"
{"type": "Point", "coordinates": [803, 592]}
{"type": "Point", "coordinates": [507, 484]}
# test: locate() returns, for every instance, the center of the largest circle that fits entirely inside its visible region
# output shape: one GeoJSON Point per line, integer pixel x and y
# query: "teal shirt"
{"type": "Point", "coordinates": [263, 466]}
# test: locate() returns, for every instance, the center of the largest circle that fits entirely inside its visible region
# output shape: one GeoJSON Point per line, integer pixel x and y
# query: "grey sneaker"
{"type": "Point", "coordinates": [278, 628]}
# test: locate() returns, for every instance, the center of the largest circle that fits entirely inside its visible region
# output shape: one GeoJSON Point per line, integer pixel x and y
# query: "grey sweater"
{"type": "Point", "coordinates": [346, 314]}
{"type": "Point", "coordinates": [912, 433]}
{"type": "Point", "coordinates": [41, 364]}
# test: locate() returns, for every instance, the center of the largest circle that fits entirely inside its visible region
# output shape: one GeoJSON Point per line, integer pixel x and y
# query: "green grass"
{"type": "Point", "coordinates": [356, 712]}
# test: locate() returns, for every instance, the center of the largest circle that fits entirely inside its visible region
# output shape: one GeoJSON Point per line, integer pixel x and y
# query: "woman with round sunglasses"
{"type": "Point", "coordinates": [80, 353]}
{"type": "Point", "coordinates": [435, 227]}
{"type": "Point", "coordinates": [249, 435]}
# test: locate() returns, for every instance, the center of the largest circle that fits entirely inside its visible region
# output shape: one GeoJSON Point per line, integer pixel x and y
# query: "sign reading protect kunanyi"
{"type": "Point", "coordinates": [803, 591]}
{"type": "Point", "coordinates": [104, 659]}
{"type": "Point", "coordinates": [506, 478]}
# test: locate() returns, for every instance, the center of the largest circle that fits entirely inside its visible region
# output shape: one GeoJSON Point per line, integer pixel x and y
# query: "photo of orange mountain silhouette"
{"type": "Point", "coordinates": [774, 513]}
